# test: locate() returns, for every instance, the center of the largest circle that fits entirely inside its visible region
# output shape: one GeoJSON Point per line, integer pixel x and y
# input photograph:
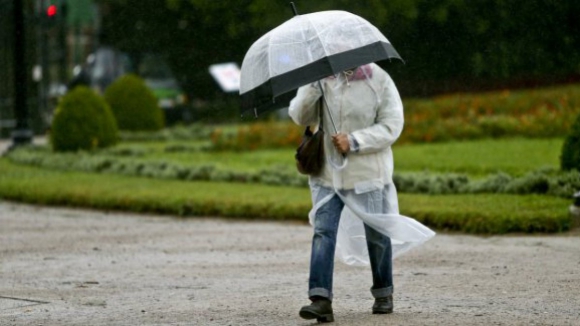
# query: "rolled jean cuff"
{"type": "Point", "coordinates": [320, 292]}
{"type": "Point", "coordinates": [382, 292]}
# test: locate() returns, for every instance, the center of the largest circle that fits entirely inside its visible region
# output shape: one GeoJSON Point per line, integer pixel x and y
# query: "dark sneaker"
{"type": "Point", "coordinates": [383, 305]}
{"type": "Point", "coordinates": [320, 309]}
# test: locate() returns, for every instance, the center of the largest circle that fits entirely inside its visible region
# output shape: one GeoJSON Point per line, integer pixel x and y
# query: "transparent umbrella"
{"type": "Point", "coordinates": [303, 50]}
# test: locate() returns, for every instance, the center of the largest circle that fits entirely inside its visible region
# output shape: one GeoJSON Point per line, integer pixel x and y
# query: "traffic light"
{"type": "Point", "coordinates": [51, 11]}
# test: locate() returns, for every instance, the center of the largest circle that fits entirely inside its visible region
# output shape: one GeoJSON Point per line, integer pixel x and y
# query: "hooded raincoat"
{"type": "Point", "coordinates": [366, 105]}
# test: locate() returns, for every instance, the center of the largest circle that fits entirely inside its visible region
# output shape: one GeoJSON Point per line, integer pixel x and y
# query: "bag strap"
{"type": "Point", "coordinates": [320, 108]}
{"type": "Point", "coordinates": [319, 105]}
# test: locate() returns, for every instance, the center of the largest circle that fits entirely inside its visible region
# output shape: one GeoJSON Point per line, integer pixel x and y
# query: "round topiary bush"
{"type": "Point", "coordinates": [134, 105]}
{"type": "Point", "coordinates": [83, 121]}
{"type": "Point", "coordinates": [570, 158]}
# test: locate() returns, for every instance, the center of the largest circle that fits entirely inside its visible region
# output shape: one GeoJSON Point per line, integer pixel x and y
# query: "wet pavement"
{"type": "Point", "coordinates": [61, 266]}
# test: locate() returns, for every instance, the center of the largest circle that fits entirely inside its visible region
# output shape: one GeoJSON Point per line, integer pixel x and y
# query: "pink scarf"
{"type": "Point", "coordinates": [360, 73]}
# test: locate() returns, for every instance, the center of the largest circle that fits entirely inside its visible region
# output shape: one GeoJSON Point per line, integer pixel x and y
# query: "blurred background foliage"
{"type": "Point", "coordinates": [469, 132]}
{"type": "Point", "coordinates": [448, 45]}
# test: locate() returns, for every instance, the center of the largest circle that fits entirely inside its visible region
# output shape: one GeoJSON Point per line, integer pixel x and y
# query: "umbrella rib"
{"type": "Point", "coordinates": [296, 42]}
{"type": "Point", "coordinates": [270, 60]}
{"type": "Point", "coordinates": [318, 37]}
{"type": "Point", "coordinates": [304, 37]}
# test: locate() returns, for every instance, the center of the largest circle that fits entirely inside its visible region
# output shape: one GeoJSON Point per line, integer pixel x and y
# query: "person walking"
{"type": "Point", "coordinates": [354, 196]}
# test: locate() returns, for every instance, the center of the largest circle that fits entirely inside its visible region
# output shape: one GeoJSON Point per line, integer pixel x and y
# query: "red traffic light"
{"type": "Point", "coordinates": [51, 10]}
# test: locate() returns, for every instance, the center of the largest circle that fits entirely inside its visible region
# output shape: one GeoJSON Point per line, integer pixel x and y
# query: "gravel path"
{"type": "Point", "coordinates": [78, 267]}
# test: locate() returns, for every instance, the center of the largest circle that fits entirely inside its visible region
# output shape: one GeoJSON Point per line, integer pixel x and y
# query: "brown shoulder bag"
{"type": "Point", "coordinates": [310, 154]}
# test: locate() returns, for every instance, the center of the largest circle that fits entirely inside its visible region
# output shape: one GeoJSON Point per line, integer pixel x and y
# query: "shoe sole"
{"type": "Point", "coordinates": [305, 314]}
{"type": "Point", "coordinates": [382, 312]}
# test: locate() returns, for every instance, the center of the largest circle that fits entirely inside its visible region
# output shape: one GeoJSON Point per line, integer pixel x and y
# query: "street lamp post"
{"type": "Point", "coordinates": [22, 133]}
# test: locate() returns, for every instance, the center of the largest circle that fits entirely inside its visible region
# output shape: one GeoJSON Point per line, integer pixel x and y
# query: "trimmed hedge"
{"type": "Point", "coordinates": [82, 121]}
{"type": "Point", "coordinates": [127, 162]}
{"type": "Point", "coordinates": [479, 213]}
{"type": "Point", "coordinates": [134, 105]}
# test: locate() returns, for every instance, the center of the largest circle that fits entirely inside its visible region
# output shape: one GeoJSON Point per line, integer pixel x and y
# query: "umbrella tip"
{"type": "Point", "coordinates": [294, 9]}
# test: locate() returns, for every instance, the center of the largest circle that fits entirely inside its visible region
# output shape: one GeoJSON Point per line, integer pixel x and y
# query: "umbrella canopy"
{"type": "Point", "coordinates": [303, 50]}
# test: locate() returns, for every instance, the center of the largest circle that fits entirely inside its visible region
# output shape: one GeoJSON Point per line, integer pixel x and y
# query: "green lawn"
{"type": "Point", "coordinates": [515, 156]}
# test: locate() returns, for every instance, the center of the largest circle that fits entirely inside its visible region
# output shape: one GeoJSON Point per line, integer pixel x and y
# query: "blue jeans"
{"type": "Point", "coordinates": [323, 246]}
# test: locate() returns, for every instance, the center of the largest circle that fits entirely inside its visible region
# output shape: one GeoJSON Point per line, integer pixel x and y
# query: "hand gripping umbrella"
{"type": "Point", "coordinates": [306, 49]}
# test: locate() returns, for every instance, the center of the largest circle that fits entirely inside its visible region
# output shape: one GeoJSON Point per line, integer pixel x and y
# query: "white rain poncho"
{"type": "Point", "coordinates": [366, 105]}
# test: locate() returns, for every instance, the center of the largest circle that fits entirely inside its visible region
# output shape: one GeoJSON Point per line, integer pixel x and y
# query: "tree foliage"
{"type": "Point", "coordinates": [446, 44]}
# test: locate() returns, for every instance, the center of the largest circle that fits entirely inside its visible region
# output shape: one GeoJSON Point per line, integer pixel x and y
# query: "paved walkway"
{"type": "Point", "coordinates": [80, 267]}
{"type": "Point", "coordinates": [6, 143]}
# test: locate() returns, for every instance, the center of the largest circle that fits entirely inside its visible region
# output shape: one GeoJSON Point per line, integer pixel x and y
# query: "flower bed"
{"type": "Point", "coordinates": [537, 113]}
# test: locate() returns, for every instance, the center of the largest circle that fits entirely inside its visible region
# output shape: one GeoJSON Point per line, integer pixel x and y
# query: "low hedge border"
{"type": "Point", "coordinates": [126, 162]}
{"type": "Point", "coordinates": [546, 181]}
{"type": "Point", "coordinates": [477, 214]}
{"type": "Point", "coordinates": [190, 132]}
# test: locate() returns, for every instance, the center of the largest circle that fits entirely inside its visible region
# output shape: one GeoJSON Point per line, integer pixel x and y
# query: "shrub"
{"type": "Point", "coordinates": [134, 105]}
{"type": "Point", "coordinates": [83, 121]}
{"type": "Point", "coordinates": [570, 158]}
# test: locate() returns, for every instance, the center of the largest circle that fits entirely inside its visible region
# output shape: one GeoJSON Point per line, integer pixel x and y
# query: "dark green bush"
{"type": "Point", "coordinates": [134, 105]}
{"type": "Point", "coordinates": [83, 121]}
{"type": "Point", "coordinates": [570, 158]}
